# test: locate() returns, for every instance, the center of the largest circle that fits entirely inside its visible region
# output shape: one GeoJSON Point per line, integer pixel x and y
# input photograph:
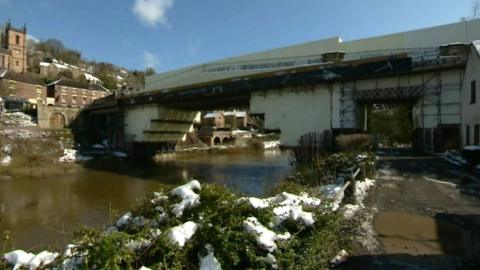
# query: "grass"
{"type": "Point", "coordinates": [34, 158]}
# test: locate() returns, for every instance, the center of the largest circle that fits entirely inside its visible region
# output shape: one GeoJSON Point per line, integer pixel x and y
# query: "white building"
{"type": "Point", "coordinates": [434, 83]}
{"type": "Point", "coordinates": [471, 98]}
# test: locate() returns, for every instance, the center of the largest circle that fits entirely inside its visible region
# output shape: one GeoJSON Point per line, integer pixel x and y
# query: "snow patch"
{"type": "Point", "coordinates": [350, 210]}
{"type": "Point", "coordinates": [123, 220]}
{"type": "Point", "coordinates": [287, 206]}
{"type": "Point", "coordinates": [271, 144]}
{"type": "Point", "coordinates": [20, 258]}
{"type": "Point", "coordinates": [71, 155]}
{"type": "Point", "coordinates": [6, 161]}
{"type": "Point", "coordinates": [210, 262]}
{"type": "Point", "coordinates": [361, 190]}
{"type": "Point", "coordinates": [190, 199]}
{"type": "Point", "coordinates": [182, 233]}
{"type": "Point", "coordinates": [265, 237]}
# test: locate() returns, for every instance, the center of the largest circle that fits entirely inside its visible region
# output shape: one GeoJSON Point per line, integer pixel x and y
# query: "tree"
{"type": "Point", "coordinates": [108, 81]}
{"type": "Point", "coordinates": [149, 71]}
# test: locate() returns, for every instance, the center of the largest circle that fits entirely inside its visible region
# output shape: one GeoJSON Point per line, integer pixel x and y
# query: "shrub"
{"type": "Point", "coordinates": [354, 142]}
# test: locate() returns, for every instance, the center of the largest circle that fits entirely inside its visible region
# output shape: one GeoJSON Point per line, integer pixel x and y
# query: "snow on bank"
{"type": "Point", "coordinates": [454, 157]}
{"type": "Point", "coordinates": [189, 197]}
{"type": "Point", "coordinates": [7, 151]}
{"type": "Point", "coordinates": [182, 233]}
{"type": "Point", "coordinates": [271, 144]}
{"type": "Point", "coordinates": [265, 237]}
{"type": "Point", "coordinates": [361, 191]}
{"type": "Point", "coordinates": [20, 258]}
{"type": "Point", "coordinates": [210, 262]}
{"type": "Point", "coordinates": [71, 155]}
{"type": "Point", "coordinates": [17, 119]}
{"type": "Point", "coordinates": [287, 206]}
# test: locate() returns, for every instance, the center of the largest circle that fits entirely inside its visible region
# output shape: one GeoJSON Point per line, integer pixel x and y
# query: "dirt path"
{"type": "Point", "coordinates": [423, 219]}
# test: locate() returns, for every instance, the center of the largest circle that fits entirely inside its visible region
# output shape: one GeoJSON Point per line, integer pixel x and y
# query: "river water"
{"type": "Point", "coordinates": [42, 213]}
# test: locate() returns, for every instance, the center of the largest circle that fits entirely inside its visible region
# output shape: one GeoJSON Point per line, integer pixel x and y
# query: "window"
{"type": "Point", "coordinates": [17, 39]}
{"type": "Point", "coordinates": [64, 99]}
{"type": "Point", "coordinates": [84, 100]}
{"type": "Point", "coordinates": [476, 134]}
{"type": "Point", "coordinates": [74, 99]}
{"type": "Point", "coordinates": [17, 63]}
{"type": "Point", "coordinates": [3, 60]}
{"type": "Point", "coordinates": [467, 135]}
{"type": "Point", "coordinates": [473, 92]}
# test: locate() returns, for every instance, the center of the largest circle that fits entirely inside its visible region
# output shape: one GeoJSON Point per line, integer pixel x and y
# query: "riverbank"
{"type": "Point", "coordinates": [240, 232]}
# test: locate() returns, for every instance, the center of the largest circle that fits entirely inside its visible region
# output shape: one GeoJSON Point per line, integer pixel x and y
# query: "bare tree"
{"type": "Point", "coordinates": [476, 9]}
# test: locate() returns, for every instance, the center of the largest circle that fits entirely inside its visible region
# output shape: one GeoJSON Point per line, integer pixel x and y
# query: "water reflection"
{"type": "Point", "coordinates": [44, 212]}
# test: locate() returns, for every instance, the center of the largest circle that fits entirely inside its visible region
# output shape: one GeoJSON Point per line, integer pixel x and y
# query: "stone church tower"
{"type": "Point", "coordinates": [14, 40]}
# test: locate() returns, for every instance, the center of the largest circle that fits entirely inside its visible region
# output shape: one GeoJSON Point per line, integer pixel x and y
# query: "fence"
{"type": "Point", "coordinates": [312, 145]}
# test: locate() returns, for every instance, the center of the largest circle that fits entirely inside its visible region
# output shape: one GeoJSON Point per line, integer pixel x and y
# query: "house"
{"type": "Point", "coordinates": [68, 93]}
{"type": "Point", "coordinates": [28, 87]}
{"type": "Point", "coordinates": [13, 52]}
{"type": "Point", "coordinates": [214, 119]}
{"type": "Point", "coordinates": [471, 98]}
{"type": "Point", "coordinates": [236, 119]}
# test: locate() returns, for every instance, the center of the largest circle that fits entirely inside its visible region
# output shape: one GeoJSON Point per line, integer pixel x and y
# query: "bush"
{"type": "Point", "coordinates": [354, 142]}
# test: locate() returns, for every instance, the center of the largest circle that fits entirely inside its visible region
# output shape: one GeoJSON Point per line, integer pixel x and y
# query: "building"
{"type": "Point", "coordinates": [471, 98]}
{"type": "Point", "coordinates": [4, 59]}
{"type": "Point", "coordinates": [429, 65]}
{"type": "Point", "coordinates": [214, 119]}
{"type": "Point", "coordinates": [13, 52]}
{"type": "Point", "coordinates": [27, 87]}
{"type": "Point", "coordinates": [68, 93]}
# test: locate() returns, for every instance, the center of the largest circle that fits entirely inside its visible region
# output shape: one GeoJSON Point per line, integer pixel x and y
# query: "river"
{"type": "Point", "coordinates": [43, 213]}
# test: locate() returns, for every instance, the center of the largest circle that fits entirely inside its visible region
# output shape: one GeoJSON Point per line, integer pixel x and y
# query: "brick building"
{"type": "Point", "coordinates": [70, 93]}
{"type": "Point", "coordinates": [23, 86]}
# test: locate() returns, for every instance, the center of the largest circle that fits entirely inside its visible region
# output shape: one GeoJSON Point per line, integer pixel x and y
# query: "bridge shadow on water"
{"type": "Point", "coordinates": [452, 242]}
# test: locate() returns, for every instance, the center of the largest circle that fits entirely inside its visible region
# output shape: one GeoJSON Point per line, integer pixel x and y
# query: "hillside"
{"type": "Point", "coordinates": [51, 59]}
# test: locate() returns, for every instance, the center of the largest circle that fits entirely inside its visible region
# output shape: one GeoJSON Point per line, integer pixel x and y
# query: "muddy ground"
{"type": "Point", "coordinates": [423, 216]}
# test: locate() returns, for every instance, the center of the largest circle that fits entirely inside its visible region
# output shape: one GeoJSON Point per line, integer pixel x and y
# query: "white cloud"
{"type": "Point", "coordinates": [152, 12]}
{"type": "Point", "coordinates": [32, 38]}
{"type": "Point", "coordinates": [150, 60]}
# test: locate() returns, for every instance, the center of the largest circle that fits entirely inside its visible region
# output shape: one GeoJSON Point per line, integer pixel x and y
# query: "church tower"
{"type": "Point", "coordinates": [16, 42]}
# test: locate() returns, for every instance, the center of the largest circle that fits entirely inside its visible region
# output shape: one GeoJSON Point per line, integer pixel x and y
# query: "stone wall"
{"type": "Point", "coordinates": [56, 117]}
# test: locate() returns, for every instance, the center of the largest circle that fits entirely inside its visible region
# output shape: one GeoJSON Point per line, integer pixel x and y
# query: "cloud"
{"type": "Point", "coordinates": [152, 12]}
{"type": "Point", "coordinates": [32, 38]}
{"type": "Point", "coordinates": [4, 2]}
{"type": "Point", "coordinates": [150, 60]}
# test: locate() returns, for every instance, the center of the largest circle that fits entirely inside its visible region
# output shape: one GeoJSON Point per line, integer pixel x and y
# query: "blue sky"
{"type": "Point", "coordinates": [169, 34]}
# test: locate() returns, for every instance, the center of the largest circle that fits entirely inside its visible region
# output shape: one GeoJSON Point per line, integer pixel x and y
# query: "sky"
{"type": "Point", "coordinates": [170, 34]}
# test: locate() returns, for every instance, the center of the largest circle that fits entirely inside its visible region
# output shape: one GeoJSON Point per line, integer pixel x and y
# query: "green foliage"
{"type": "Point", "coordinates": [392, 125]}
{"type": "Point", "coordinates": [220, 217]}
{"type": "Point", "coordinates": [104, 251]}
{"type": "Point", "coordinates": [355, 142]}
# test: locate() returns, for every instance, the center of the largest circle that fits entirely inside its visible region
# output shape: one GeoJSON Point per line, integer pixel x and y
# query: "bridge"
{"type": "Point", "coordinates": [322, 93]}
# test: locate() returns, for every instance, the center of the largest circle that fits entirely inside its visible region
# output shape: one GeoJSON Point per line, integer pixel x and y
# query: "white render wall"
{"type": "Point", "coordinates": [471, 112]}
{"type": "Point", "coordinates": [298, 111]}
{"type": "Point", "coordinates": [295, 113]}
{"type": "Point", "coordinates": [138, 119]}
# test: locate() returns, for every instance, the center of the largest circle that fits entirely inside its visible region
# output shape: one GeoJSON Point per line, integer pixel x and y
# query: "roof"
{"type": "Point", "coordinates": [77, 84]}
{"type": "Point", "coordinates": [310, 53]}
{"type": "Point", "coordinates": [30, 78]}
